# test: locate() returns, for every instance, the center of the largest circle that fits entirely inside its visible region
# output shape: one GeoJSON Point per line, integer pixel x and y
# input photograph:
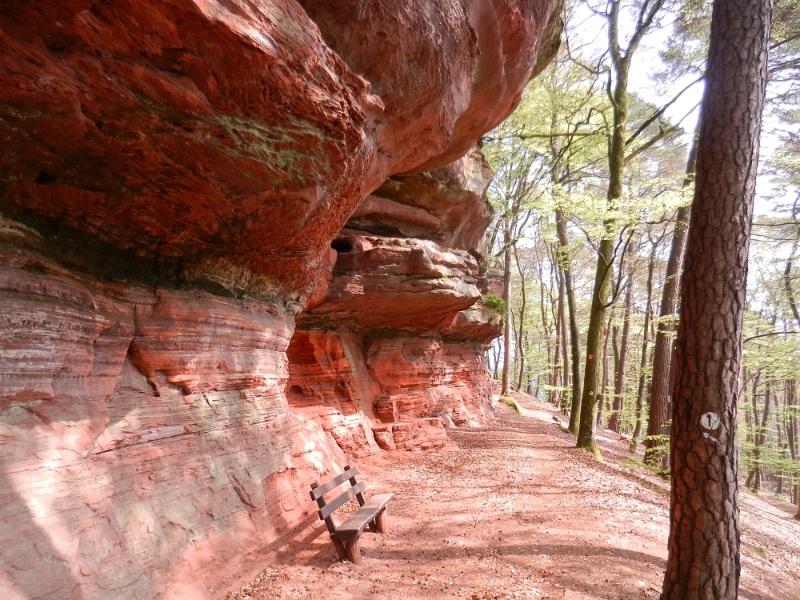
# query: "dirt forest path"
{"type": "Point", "coordinates": [516, 512]}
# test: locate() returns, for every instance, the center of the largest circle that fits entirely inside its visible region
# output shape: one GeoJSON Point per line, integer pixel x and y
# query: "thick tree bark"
{"type": "Point", "coordinates": [574, 339]}
{"type": "Point", "coordinates": [703, 559]}
{"type": "Point", "coordinates": [663, 352]}
{"type": "Point", "coordinates": [619, 374]}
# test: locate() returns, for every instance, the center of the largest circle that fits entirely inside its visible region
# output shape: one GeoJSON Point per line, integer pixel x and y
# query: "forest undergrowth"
{"type": "Point", "coordinates": [516, 511]}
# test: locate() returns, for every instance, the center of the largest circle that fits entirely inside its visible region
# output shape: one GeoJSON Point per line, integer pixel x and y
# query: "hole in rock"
{"type": "Point", "coordinates": [45, 177]}
{"type": "Point", "coordinates": [342, 245]}
{"type": "Point", "coordinates": [296, 390]}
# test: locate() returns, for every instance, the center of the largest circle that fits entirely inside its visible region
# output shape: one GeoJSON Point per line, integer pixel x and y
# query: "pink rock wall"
{"type": "Point", "coordinates": [146, 439]}
{"type": "Point", "coordinates": [172, 175]}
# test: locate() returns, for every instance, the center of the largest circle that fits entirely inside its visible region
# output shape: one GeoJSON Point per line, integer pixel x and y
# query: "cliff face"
{"type": "Point", "coordinates": [238, 243]}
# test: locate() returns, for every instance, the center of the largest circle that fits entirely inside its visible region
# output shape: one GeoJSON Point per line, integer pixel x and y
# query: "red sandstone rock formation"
{"type": "Point", "coordinates": [138, 426]}
{"type": "Point", "coordinates": [172, 175]}
{"type": "Point", "coordinates": [415, 321]}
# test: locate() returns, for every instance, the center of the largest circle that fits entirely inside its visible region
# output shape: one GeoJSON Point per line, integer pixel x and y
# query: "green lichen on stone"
{"type": "Point", "coordinates": [278, 146]}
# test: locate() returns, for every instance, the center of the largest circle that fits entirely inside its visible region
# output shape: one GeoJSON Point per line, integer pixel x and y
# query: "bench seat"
{"type": "Point", "coordinates": [354, 526]}
{"type": "Point", "coordinates": [372, 513]}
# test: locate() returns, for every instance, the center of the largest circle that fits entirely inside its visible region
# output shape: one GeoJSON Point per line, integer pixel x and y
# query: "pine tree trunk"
{"type": "Point", "coordinates": [703, 560]}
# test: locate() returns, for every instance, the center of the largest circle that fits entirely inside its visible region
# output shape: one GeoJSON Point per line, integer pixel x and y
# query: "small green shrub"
{"type": "Point", "coordinates": [495, 304]}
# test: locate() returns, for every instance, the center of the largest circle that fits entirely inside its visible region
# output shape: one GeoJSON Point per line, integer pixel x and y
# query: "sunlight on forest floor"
{"type": "Point", "coordinates": [517, 512]}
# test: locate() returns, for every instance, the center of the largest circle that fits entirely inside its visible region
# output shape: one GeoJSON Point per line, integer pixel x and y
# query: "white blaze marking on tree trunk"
{"type": "Point", "coordinates": [709, 421]}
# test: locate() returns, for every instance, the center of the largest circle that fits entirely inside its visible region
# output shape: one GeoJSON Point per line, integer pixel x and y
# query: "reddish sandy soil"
{"type": "Point", "coordinates": [517, 512]}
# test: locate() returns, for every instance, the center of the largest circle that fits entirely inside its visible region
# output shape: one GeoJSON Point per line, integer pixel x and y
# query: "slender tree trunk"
{"type": "Point", "coordinates": [506, 384]}
{"type": "Point", "coordinates": [521, 328]}
{"type": "Point", "coordinates": [619, 374]}
{"type": "Point", "coordinates": [760, 437]}
{"type": "Point", "coordinates": [556, 372]}
{"type": "Point", "coordinates": [597, 318]}
{"type": "Point", "coordinates": [603, 398]}
{"type": "Point", "coordinates": [754, 418]}
{"type": "Point", "coordinates": [787, 280]}
{"type": "Point", "coordinates": [637, 431]}
{"type": "Point", "coordinates": [574, 340]}
{"type": "Point", "coordinates": [663, 353]}
{"type": "Point", "coordinates": [565, 383]}
{"type": "Point", "coordinates": [703, 560]}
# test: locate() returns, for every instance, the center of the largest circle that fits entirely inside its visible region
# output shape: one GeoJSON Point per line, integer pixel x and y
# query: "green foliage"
{"type": "Point", "coordinates": [495, 304]}
{"type": "Point", "coordinates": [512, 403]}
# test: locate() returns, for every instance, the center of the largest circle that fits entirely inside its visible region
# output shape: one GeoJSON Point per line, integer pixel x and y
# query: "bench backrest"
{"type": "Point", "coordinates": [326, 509]}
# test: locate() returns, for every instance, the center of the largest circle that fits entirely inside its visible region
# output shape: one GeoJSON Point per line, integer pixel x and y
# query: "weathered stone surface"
{"type": "Point", "coordinates": [475, 324]}
{"type": "Point", "coordinates": [145, 436]}
{"type": "Point", "coordinates": [395, 284]}
{"type": "Point", "coordinates": [447, 206]}
{"type": "Point", "coordinates": [181, 169]}
{"type": "Point", "coordinates": [421, 434]}
{"type": "Point", "coordinates": [421, 378]}
{"type": "Point", "coordinates": [398, 394]}
{"type": "Point", "coordinates": [329, 383]}
{"type": "Point", "coordinates": [447, 71]}
{"type": "Point", "coordinates": [209, 137]}
{"type": "Point", "coordinates": [225, 144]}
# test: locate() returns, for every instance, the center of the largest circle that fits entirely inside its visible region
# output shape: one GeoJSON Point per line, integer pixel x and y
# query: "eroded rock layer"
{"type": "Point", "coordinates": [172, 176]}
{"type": "Point", "coordinates": [141, 430]}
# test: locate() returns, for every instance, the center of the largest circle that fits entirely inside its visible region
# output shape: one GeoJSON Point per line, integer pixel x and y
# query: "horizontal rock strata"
{"type": "Point", "coordinates": [179, 180]}
{"type": "Point", "coordinates": [141, 429]}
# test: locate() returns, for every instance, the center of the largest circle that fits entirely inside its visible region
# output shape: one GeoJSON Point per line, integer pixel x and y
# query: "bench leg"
{"type": "Point", "coordinates": [382, 522]}
{"type": "Point", "coordinates": [339, 548]}
{"type": "Point", "coordinates": [353, 552]}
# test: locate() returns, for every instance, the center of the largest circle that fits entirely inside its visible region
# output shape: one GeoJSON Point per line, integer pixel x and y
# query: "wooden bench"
{"type": "Point", "coordinates": [372, 513]}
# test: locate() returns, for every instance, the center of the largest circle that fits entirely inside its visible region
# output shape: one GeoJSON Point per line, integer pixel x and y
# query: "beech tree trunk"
{"type": "Point", "coordinates": [760, 438]}
{"type": "Point", "coordinates": [663, 352]}
{"type": "Point", "coordinates": [619, 374]}
{"type": "Point", "coordinates": [521, 329]}
{"type": "Point", "coordinates": [703, 559]}
{"type": "Point", "coordinates": [597, 318]}
{"type": "Point", "coordinates": [555, 376]}
{"type": "Point", "coordinates": [637, 430]}
{"type": "Point", "coordinates": [564, 353]}
{"type": "Point", "coordinates": [574, 340]}
{"type": "Point", "coordinates": [507, 331]}
{"type": "Point", "coordinates": [603, 396]}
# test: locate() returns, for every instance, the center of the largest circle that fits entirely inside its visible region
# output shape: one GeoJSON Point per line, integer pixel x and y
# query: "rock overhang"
{"type": "Point", "coordinates": [224, 145]}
